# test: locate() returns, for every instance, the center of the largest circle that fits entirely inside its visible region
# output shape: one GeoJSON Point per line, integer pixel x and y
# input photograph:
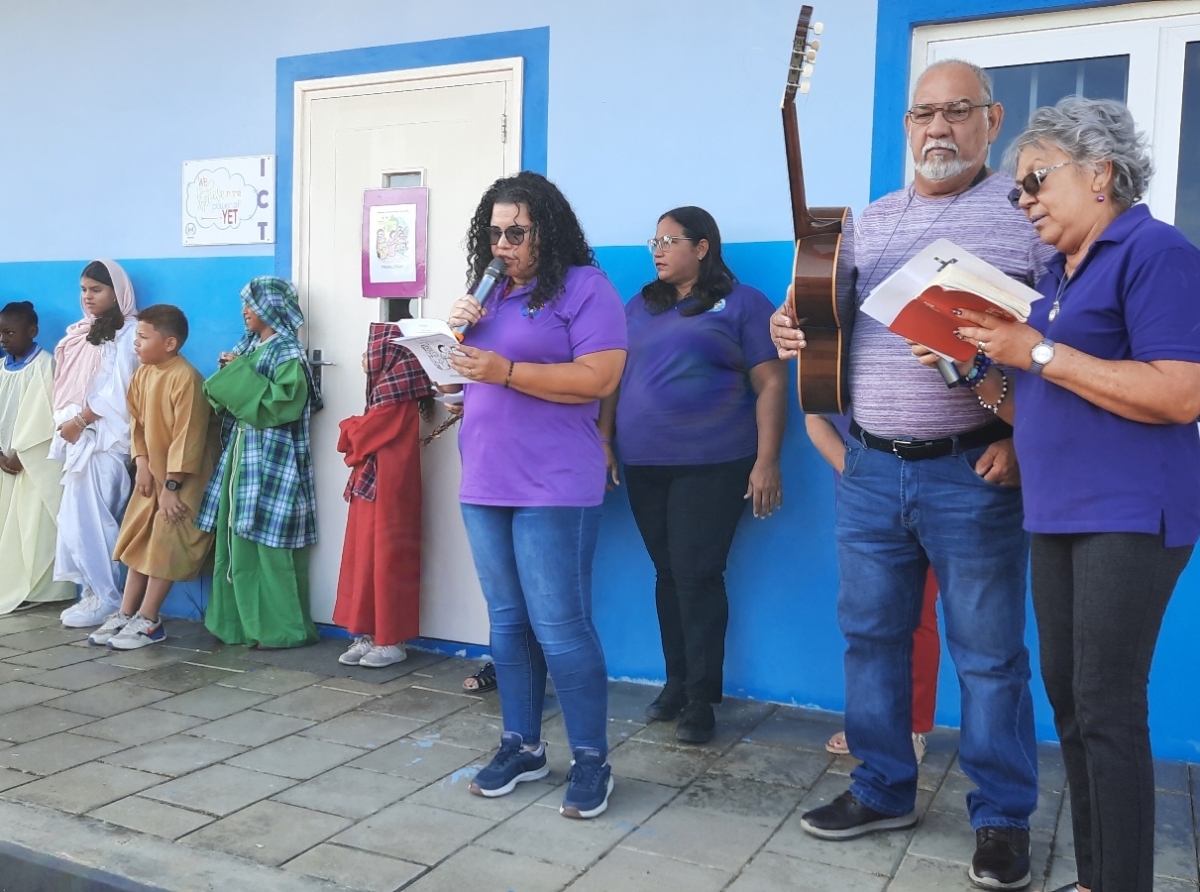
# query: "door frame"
{"type": "Point", "coordinates": [531, 44]}
{"type": "Point", "coordinates": [307, 92]}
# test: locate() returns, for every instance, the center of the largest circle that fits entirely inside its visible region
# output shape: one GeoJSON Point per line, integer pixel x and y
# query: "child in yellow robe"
{"type": "Point", "coordinates": [174, 443]}
{"type": "Point", "coordinates": [30, 481]}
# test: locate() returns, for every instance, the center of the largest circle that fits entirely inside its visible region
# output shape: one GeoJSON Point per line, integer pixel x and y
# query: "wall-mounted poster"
{"type": "Point", "coordinates": [394, 250]}
{"type": "Point", "coordinates": [229, 201]}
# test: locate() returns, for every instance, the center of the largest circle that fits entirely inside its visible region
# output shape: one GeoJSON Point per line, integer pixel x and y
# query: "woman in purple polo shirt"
{"type": "Point", "coordinates": [549, 343]}
{"type": "Point", "coordinates": [1104, 410]}
{"type": "Point", "coordinates": [698, 422]}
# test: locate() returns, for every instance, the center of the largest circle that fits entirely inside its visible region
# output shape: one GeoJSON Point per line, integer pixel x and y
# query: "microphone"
{"type": "Point", "coordinates": [949, 372]}
{"type": "Point", "coordinates": [483, 290]}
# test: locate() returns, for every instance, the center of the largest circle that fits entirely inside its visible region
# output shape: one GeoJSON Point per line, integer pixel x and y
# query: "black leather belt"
{"type": "Point", "coordinates": [916, 450]}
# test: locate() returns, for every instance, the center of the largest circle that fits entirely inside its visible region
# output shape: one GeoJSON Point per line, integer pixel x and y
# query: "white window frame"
{"type": "Point", "coordinates": [1153, 35]}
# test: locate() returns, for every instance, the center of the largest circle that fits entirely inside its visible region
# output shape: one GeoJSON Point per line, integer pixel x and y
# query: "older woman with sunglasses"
{"type": "Point", "coordinates": [699, 422]}
{"type": "Point", "coordinates": [1104, 406]}
{"type": "Point", "coordinates": [541, 352]}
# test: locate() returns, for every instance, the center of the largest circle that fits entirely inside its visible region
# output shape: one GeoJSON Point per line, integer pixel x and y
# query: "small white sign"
{"type": "Point", "coordinates": [229, 201]}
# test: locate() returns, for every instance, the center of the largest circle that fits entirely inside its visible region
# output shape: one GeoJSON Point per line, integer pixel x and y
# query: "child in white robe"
{"type": "Point", "coordinates": [29, 479]}
{"type": "Point", "coordinates": [93, 366]}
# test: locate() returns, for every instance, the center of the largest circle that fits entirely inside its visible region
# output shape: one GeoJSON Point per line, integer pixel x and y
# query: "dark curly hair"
{"type": "Point", "coordinates": [715, 280]}
{"type": "Point", "coordinates": [557, 241]}
{"type": "Point", "coordinates": [112, 320]}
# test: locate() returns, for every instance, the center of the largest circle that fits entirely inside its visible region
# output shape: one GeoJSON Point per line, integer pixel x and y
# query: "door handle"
{"type": "Point", "coordinates": [316, 363]}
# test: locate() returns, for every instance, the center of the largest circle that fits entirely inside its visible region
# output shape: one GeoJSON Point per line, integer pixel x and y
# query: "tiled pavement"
{"type": "Point", "coordinates": [187, 766]}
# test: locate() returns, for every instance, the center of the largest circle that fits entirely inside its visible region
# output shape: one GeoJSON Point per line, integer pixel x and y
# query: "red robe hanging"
{"type": "Point", "coordinates": [379, 586]}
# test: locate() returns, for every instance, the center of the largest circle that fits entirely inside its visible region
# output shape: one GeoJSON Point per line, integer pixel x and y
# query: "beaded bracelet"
{"type": "Point", "coordinates": [995, 408]}
{"type": "Point", "coordinates": [508, 379]}
{"type": "Point", "coordinates": [978, 371]}
{"type": "Point", "coordinates": [78, 419]}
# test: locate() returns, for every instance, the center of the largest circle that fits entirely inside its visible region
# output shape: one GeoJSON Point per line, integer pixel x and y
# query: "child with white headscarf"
{"type": "Point", "coordinates": [93, 366]}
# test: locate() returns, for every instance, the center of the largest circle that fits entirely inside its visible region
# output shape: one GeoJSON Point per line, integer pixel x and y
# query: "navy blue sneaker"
{"type": "Point", "coordinates": [588, 784]}
{"type": "Point", "coordinates": [509, 767]}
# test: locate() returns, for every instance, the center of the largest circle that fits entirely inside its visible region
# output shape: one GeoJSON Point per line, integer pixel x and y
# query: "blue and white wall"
{"type": "Point", "coordinates": [640, 108]}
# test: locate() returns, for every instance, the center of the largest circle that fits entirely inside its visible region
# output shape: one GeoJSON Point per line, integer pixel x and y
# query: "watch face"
{"type": "Point", "coordinates": [1043, 353]}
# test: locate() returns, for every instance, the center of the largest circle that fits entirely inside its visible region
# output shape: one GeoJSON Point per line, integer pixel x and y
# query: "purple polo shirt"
{"type": "Point", "coordinates": [1135, 296]}
{"type": "Point", "coordinates": [686, 397]}
{"type": "Point", "coordinates": [523, 451]}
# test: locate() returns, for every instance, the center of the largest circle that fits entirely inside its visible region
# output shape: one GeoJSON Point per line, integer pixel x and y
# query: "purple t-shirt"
{"type": "Point", "coordinates": [686, 397]}
{"type": "Point", "coordinates": [1135, 296]}
{"type": "Point", "coordinates": [523, 451]}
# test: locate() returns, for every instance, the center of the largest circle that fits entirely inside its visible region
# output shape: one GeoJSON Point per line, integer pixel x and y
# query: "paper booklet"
{"type": "Point", "coordinates": [431, 341]}
{"type": "Point", "coordinates": [916, 300]}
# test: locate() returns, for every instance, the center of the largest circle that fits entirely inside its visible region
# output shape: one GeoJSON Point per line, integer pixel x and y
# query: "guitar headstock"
{"type": "Point", "coordinates": [804, 55]}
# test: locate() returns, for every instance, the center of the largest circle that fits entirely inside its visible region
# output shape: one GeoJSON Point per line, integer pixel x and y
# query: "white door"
{"type": "Point", "coordinates": [1145, 54]}
{"type": "Point", "coordinates": [457, 125]}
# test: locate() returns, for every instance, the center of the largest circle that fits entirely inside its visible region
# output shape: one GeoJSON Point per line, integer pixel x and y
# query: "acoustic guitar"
{"type": "Point", "coordinates": [823, 270]}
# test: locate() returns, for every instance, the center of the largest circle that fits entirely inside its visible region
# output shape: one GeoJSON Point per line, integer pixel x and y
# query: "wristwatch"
{"type": "Point", "coordinates": [173, 485]}
{"type": "Point", "coordinates": [1042, 353]}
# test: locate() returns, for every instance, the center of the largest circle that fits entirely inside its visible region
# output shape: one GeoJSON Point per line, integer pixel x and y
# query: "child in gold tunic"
{"type": "Point", "coordinates": [174, 444]}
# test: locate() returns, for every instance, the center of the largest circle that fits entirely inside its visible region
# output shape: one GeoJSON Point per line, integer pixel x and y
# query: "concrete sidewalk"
{"type": "Point", "coordinates": [188, 765]}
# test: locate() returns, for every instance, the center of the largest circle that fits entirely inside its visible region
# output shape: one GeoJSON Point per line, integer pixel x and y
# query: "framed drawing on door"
{"type": "Point", "coordinates": [395, 242]}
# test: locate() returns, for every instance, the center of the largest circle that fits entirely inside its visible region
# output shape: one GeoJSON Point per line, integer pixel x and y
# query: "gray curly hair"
{"type": "Point", "coordinates": [1092, 131]}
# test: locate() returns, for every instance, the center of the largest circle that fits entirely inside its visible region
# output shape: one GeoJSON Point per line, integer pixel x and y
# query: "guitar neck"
{"type": "Point", "coordinates": [802, 223]}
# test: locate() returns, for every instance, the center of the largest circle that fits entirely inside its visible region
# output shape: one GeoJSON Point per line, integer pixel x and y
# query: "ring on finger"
{"type": "Point", "coordinates": [982, 345]}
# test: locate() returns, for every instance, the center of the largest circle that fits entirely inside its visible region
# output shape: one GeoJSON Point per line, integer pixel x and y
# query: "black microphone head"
{"type": "Point", "coordinates": [496, 268]}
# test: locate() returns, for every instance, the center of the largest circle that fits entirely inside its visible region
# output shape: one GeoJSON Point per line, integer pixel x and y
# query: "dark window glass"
{"type": "Point", "coordinates": [1187, 196]}
{"type": "Point", "coordinates": [1023, 89]}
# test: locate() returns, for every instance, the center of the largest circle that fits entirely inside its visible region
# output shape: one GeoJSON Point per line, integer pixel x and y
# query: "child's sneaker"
{"type": "Point", "coordinates": [114, 624]}
{"type": "Point", "coordinates": [358, 649]}
{"type": "Point", "coordinates": [138, 632]}
{"type": "Point", "coordinates": [87, 612]}
{"type": "Point", "coordinates": [383, 655]}
{"type": "Point", "coordinates": [509, 767]}
{"type": "Point", "coordinates": [588, 784]}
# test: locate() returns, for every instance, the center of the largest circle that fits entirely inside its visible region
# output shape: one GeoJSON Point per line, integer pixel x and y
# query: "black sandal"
{"type": "Point", "coordinates": [485, 680]}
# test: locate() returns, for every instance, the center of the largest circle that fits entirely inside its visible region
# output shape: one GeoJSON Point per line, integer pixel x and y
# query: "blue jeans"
{"type": "Point", "coordinates": [535, 566]}
{"type": "Point", "coordinates": [894, 519]}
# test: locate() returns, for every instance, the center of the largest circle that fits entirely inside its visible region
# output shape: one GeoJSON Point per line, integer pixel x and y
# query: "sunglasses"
{"type": "Point", "coordinates": [513, 234]}
{"type": "Point", "coordinates": [1031, 183]}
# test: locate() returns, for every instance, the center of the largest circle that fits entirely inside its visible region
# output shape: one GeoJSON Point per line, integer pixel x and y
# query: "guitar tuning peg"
{"type": "Point", "coordinates": [808, 71]}
{"type": "Point", "coordinates": [805, 86]}
{"type": "Point", "coordinates": [818, 28]}
{"type": "Point", "coordinates": [811, 55]}
{"type": "Point", "coordinates": [815, 44]}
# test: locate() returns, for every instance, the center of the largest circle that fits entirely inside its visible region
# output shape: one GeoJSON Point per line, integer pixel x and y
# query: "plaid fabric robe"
{"type": "Point", "coordinates": [275, 503]}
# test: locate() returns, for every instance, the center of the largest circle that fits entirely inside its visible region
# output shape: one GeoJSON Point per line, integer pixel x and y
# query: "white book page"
{"type": "Point", "coordinates": [432, 342]}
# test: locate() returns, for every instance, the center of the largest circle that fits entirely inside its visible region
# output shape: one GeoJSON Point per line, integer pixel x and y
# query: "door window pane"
{"type": "Point", "coordinates": [1023, 89]}
{"type": "Point", "coordinates": [1187, 200]}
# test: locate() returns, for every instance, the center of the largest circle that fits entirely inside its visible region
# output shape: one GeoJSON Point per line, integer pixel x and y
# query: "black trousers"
{"type": "Point", "coordinates": [687, 515]}
{"type": "Point", "coordinates": [1099, 600]}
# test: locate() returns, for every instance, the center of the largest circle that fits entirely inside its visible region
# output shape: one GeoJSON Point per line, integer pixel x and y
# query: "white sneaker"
{"type": "Point", "coordinates": [383, 655]}
{"type": "Point", "coordinates": [359, 649]}
{"type": "Point", "coordinates": [919, 746]}
{"type": "Point", "coordinates": [88, 611]}
{"type": "Point", "coordinates": [114, 624]}
{"type": "Point", "coordinates": [138, 632]}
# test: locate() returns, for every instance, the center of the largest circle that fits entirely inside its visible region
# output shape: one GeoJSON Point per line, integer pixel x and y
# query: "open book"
{"type": "Point", "coordinates": [916, 300]}
{"type": "Point", "coordinates": [432, 342]}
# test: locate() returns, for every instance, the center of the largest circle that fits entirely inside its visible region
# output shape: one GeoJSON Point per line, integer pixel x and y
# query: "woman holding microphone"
{"type": "Point", "coordinates": [548, 343]}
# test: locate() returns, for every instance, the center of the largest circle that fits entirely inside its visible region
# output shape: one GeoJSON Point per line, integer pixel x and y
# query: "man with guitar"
{"type": "Point", "coordinates": [930, 478]}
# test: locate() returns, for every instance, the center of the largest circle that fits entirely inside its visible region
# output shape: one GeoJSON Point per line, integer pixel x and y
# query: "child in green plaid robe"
{"type": "Point", "coordinates": [261, 502]}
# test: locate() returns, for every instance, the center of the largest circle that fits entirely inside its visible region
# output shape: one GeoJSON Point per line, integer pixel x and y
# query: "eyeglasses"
{"type": "Point", "coordinates": [1031, 183]}
{"type": "Point", "coordinates": [954, 112]}
{"type": "Point", "coordinates": [662, 243]}
{"type": "Point", "coordinates": [514, 234]}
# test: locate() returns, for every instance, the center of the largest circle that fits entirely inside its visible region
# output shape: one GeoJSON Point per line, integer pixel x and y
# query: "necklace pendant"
{"type": "Point", "coordinates": [1054, 311]}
